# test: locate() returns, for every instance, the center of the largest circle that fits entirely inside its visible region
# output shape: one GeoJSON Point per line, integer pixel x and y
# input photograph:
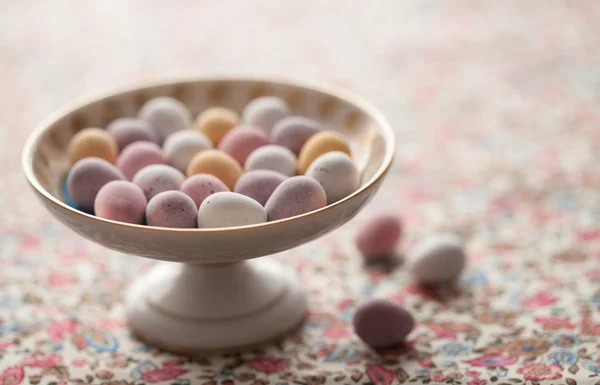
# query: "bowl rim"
{"type": "Point", "coordinates": [351, 98]}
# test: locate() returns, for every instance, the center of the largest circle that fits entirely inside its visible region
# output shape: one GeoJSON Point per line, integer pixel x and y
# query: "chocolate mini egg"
{"type": "Point", "coordinates": [200, 186]}
{"type": "Point", "coordinates": [228, 209]}
{"type": "Point", "coordinates": [381, 323]}
{"type": "Point", "coordinates": [181, 147]}
{"type": "Point", "coordinates": [121, 201]}
{"type": "Point", "coordinates": [87, 177]}
{"type": "Point", "coordinates": [166, 115]}
{"type": "Point", "coordinates": [319, 144]}
{"type": "Point", "coordinates": [130, 130]}
{"type": "Point", "coordinates": [438, 259]}
{"type": "Point", "coordinates": [216, 122]}
{"type": "Point", "coordinates": [379, 236]}
{"type": "Point", "coordinates": [294, 196]}
{"type": "Point", "coordinates": [272, 157]}
{"type": "Point", "coordinates": [259, 184]}
{"type": "Point", "coordinates": [293, 131]}
{"type": "Point", "coordinates": [158, 178]}
{"type": "Point", "coordinates": [217, 163]}
{"type": "Point", "coordinates": [242, 141]}
{"type": "Point", "coordinates": [93, 142]}
{"type": "Point", "coordinates": [172, 209]}
{"type": "Point", "coordinates": [337, 173]}
{"type": "Point", "coordinates": [264, 112]}
{"type": "Point", "coordinates": [138, 155]}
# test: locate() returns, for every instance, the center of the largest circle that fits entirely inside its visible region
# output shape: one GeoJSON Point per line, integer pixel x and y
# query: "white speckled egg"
{"type": "Point", "coordinates": [437, 259]}
{"type": "Point", "coordinates": [337, 173]}
{"type": "Point", "coordinates": [229, 209]}
{"type": "Point", "coordinates": [180, 147]}
{"type": "Point", "coordinates": [158, 178]}
{"type": "Point", "coordinates": [166, 115]}
{"type": "Point", "coordinates": [272, 157]}
{"type": "Point", "coordinates": [265, 111]}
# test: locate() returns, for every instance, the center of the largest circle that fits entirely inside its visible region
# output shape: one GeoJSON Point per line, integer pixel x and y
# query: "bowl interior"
{"type": "Point", "coordinates": [371, 141]}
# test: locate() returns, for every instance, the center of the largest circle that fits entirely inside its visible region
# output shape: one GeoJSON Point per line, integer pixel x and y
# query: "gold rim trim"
{"type": "Point", "coordinates": [347, 96]}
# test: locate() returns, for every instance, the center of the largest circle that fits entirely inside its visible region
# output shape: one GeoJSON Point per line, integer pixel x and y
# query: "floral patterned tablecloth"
{"type": "Point", "coordinates": [496, 107]}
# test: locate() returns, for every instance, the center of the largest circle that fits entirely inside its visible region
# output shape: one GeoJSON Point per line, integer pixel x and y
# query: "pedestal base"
{"type": "Point", "coordinates": [214, 308]}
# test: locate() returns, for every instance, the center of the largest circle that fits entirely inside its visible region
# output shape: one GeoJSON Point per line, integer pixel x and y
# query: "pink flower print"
{"type": "Point", "coordinates": [40, 360]}
{"type": "Point", "coordinates": [337, 331]}
{"type": "Point", "coordinates": [12, 375]}
{"type": "Point", "coordinates": [169, 371]}
{"type": "Point", "coordinates": [554, 323]}
{"type": "Point", "coordinates": [269, 365]}
{"type": "Point", "coordinates": [540, 372]}
{"type": "Point", "coordinates": [57, 278]}
{"type": "Point", "coordinates": [492, 361]}
{"type": "Point", "coordinates": [6, 344]}
{"type": "Point", "coordinates": [426, 362]}
{"type": "Point", "coordinates": [344, 303]}
{"type": "Point", "coordinates": [438, 377]}
{"type": "Point", "coordinates": [59, 329]}
{"type": "Point", "coordinates": [79, 362]}
{"type": "Point", "coordinates": [477, 381]}
{"type": "Point", "coordinates": [539, 300]}
{"type": "Point", "coordinates": [380, 375]}
{"type": "Point", "coordinates": [107, 323]}
{"type": "Point", "coordinates": [472, 373]}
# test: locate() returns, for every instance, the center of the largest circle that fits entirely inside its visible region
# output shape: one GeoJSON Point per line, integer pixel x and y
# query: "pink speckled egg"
{"type": "Point", "coordinates": [294, 196]}
{"type": "Point", "coordinates": [228, 209]}
{"type": "Point", "coordinates": [166, 115]}
{"type": "Point", "coordinates": [172, 209]}
{"type": "Point", "coordinates": [293, 131]}
{"type": "Point", "coordinates": [381, 323]}
{"type": "Point", "coordinates": [379, 236]}
{"type": "Point", "coordinates": [242, 141]}
{"type": "Point", "coordinates": [264, 112]}
{"type": "Point", "coordinates": [87, 177]}
{"type": "Point", "coordinates": [158, 178]}
{"type": "Point", "coordinates": [181, 147]}
{"type": "Point", "coordinates": [438, 259]}
{"type": "Point", "coordinates": [200, 186]}
{"type": "Point", "coordinates": [272, 157]}
{"type": "Point", "coordinates": [121, 201]}
{"type": "Point", "coordinates": [138, 155]}
{"type": "Point", "coordinates": [259, 184]}
{"type": "Point", "coordinates": [130, 130]}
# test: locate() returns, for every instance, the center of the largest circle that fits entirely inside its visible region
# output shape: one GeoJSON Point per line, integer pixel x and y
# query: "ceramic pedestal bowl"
{"type": "Point", "coordinates": [212, 292]}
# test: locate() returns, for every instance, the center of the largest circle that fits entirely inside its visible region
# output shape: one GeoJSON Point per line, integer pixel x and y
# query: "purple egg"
{"type": "Point", "coordinates": [201, 186]}
{"type": "Point", "coordinates": [130, 130]}
{"type": "Point", "coordinates": [172, 209]}
{"type": "Point", "coordinates": [259, 184]}
{"type": "Point", "coordinates": [294, 196]}
{"type": "Point", "coordinates": [293, 131]}
{"type": "Point", "coordinates": [138, 155]}
{"type": "Point", "coordinates": [87, 177]}
{"type": "Point", "coordinates": [379, 236]}
{"type": "Point", "coordinates": [264, 112]}
{"type": "Point", "coordinates": [381, 323]}
{"type": "Point", "coordinates": [242, 141]}
{"type": "Point", "coordinates": [438, 259]}
{"type": "Point", "coordinates": [158, 178]}
{"type": "Point", "coordinates": [121, 201]}
{"type": "Point", "coordinates": [166, 116]}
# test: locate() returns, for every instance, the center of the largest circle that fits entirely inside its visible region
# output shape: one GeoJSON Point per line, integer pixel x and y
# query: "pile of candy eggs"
{"type": "Point", "coordinates": [165, 168]}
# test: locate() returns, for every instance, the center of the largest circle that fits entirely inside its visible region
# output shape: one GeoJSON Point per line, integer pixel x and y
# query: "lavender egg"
{"type": "Point", "coordinates": [166, 115]}
{"type": "Point", "coordinates": [438, 259]}
{"type": "Point", "coordinates": [272, 157]}
{"type": "Point", "coordinates": [228, 209]}
{"type": "Point", "coordinates": [264, 112]}
{"type": "Point", "coordinates": [294, 196]}
{"type": "Point", "coordinates": [138, 155]}
{"type": "Point", "coordinates": [130, 130]}
{"type": "Point", "coordinates": [181, 147]}
{"type": "Point", "coordinates": [87, 177]}
{"type": "Point", "coordinates": [293, 131]}
{"type": "Point", "coordinates": [336, 172]}
{"type": "Point", "coordinates": [379, 236]}
{"type": "Point", "coordinates": [158, 178]}
{"type": "Point", "coordinates": [242, 141]}
{"type": "Point", "coordinates": [381, 323]}
{"type": "Point", "coordinates": [259, 184]}
{"type": "Point", "coordinates": [201, 186]}
{"type": "Point", "coordinates": [121, 201]}
{"type": "Point", "coordinates": [172, 209]}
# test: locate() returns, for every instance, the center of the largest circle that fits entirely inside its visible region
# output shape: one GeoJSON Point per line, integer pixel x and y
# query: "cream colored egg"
{"type": "Point", "coordinates": [229, 209]}
{"type": "Point", "coordinates": [337, 173]}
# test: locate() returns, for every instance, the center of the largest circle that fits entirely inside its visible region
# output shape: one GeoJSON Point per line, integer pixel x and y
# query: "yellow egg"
{"type": "Point", "coordinates": [217, 163]}
{"type": "Point", "coordinates": [215, 122]}
{"type": "Point", "coordinates": [93, 142]}
{"type": "Point", "coordinates": [318, 145]}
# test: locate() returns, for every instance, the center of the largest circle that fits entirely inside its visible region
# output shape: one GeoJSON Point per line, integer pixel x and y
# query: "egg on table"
{"type": "Point", "coordinates": [438, 259]}
{"type": "Point", "coordinates": [382, 323]}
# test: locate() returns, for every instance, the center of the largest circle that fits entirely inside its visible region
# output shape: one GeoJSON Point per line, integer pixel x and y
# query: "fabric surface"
{"type": "Point", "coordinates": [496, 110]}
